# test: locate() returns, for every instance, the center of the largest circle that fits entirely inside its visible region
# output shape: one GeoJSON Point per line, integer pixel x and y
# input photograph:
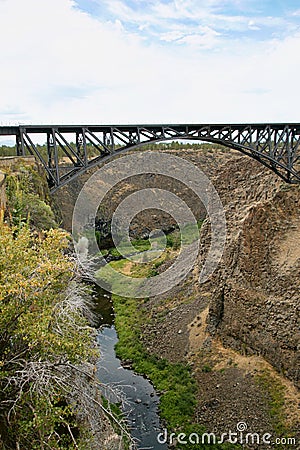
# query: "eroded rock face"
{"type": "Point", "coordinates": [147, 220]}
{"type": "Point", "coordinates": [256, 292]}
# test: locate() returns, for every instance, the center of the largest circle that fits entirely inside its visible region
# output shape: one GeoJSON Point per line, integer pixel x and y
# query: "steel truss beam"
{"type": "Point", "coordinates": [276, 146]}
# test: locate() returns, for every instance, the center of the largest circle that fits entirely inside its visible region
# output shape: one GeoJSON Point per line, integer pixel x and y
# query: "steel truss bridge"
{"type": "Point", "coordinates": [276, 146]}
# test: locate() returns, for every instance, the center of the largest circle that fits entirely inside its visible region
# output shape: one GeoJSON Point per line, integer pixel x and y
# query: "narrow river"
{"type": "Point", "coordinates": [141, 405]}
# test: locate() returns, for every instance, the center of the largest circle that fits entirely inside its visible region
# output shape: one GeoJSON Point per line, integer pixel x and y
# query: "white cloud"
{"type": "Point", "coordinates": [197, 37]}
{"type": "Point", "coordinates": [61, 65]}
{"type": "Point", "coordinates": [252, 25]}
{"type": "Point", "coordinates": [210, 13]}
{"type": "Point", "coordinates": [172, 36]}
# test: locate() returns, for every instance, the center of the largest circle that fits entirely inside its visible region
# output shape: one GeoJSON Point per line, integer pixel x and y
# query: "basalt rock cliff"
{"type": "Point", "coordinates": [239, 331]}
{"type": "Point", "coordinates": [255, 306]}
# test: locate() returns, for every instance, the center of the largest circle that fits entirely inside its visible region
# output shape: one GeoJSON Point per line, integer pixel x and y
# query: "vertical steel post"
{"type": "Point", "coordinates": [289, 153]}
{"type": "Point", "coordinates": [112, 137]}
{"type": "Point", "coordinates": [275, 147]}
{"type": "Point", "coordinates": [84, 147]}
{"type": "Point", "coordinates": [22, 145]}
{"type": "Point", "coordinates": [49, 150]}
{"type": "Point", "coordinates": [18, 145]}
{"type": "Point", "coordinates": [55, 156]}
{"type": "Point", "coordinates": [269, 140]}
{"type": "Point", "coordinates": [78, 148]}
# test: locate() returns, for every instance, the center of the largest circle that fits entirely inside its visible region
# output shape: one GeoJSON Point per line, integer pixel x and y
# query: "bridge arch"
{"type": "Point", "coordinates": [276, 146]}
{"type": "Point", "coordinates": [267, 160]}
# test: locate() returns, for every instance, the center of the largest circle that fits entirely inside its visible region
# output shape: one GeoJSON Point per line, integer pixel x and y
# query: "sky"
{"type": "Point", "coordinates": [157, 61]}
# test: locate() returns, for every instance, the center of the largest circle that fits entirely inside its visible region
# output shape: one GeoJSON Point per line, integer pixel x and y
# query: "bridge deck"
{"type": "Point", "coordinates": [275, 145]}
{"type": "Point", "coordinates": [14, 130]}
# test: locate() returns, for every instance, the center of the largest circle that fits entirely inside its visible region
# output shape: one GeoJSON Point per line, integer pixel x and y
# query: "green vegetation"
{"type": "Point", "coordinates": [6, 150]}
{"type": "Point", "coordinates": [207, 368]}
{"type": "Point", "coordinates": [42, 335]}
{"type": "Point", "coordinates": [188, 234]}
{"type": "Point", "coordinates": [175, 145]}
{"type": "Point", "coordinates": [25, 190]}
{"type": "Point", "coordinates": [174, 382]}
{"type": "Point", "coordinates": [137, 270]}
{"type": "Point", "coordinates": [140, 245]}
{"type": "Point", "coordinates": [275, 396]}
{"type": "Point", "coordinates": [174, 240]}
{"type": "Point", "coordinates": [49, 396]}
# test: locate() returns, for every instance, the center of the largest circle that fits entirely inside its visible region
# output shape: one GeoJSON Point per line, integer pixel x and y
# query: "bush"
{"type": "Point", "coordinates": [25, 205]}
{"type": "Point", "coordinates": [44, 336]}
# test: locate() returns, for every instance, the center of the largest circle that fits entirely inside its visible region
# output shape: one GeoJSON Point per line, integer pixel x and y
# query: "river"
{"type": "Point", "coordinates": [141, 401]}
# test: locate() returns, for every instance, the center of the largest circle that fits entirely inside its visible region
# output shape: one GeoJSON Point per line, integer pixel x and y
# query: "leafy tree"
{"type": "Point", "coordinates": [44, 339]}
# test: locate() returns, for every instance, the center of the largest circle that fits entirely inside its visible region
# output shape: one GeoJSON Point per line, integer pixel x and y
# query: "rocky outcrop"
{"type": "Point", "coordinates": [255, 306]}
{"type": "Point", "coordinates": [255, 293]}
{"type": "Point", "coordinates": [146, 221]}
{"type": "Point", "coordinates": [250, 304]}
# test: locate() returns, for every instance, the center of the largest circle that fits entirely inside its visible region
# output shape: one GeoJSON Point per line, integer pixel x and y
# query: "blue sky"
{"type": "Point", "coordinates": [175, 21]}
{"type": "Point", "coordinates": [129, 61]}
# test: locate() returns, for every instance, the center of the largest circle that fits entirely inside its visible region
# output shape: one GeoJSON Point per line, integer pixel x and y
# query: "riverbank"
{"type": "Point", "coordinates": [131, 394]}
{"type": "Point", "coordinates": [201, 389]}
{"type": "Point", "coordinates": [238, 352]}
{"type": "Point", "coordinates": [173, 381]}
{"type": "Point", "coordinates": [237, 335]}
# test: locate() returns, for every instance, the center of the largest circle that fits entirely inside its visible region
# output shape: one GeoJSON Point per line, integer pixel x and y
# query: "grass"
{"type": "Point", "coordinates": [173, 382]}
{"type": "Point", "coordinates": [275, 395]}
{"type": "Point", "coordinates": [188, 234]}
{"type": "Point", "coordinates": [137, 270]}
{"type": "Point", "coordinates": [140, 245]}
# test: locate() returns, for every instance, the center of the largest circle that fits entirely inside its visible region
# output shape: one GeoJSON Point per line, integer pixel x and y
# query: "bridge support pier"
{"type": "Point", "coordinates": [20, 148]}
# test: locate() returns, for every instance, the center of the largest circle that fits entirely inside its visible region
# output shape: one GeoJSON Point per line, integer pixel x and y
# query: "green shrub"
{"type": "Point", "coordinates": [39, 337]}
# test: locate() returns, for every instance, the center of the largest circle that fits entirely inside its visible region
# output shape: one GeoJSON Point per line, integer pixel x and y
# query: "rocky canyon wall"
{"type": "Point", "coordinates": [255, 293]}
